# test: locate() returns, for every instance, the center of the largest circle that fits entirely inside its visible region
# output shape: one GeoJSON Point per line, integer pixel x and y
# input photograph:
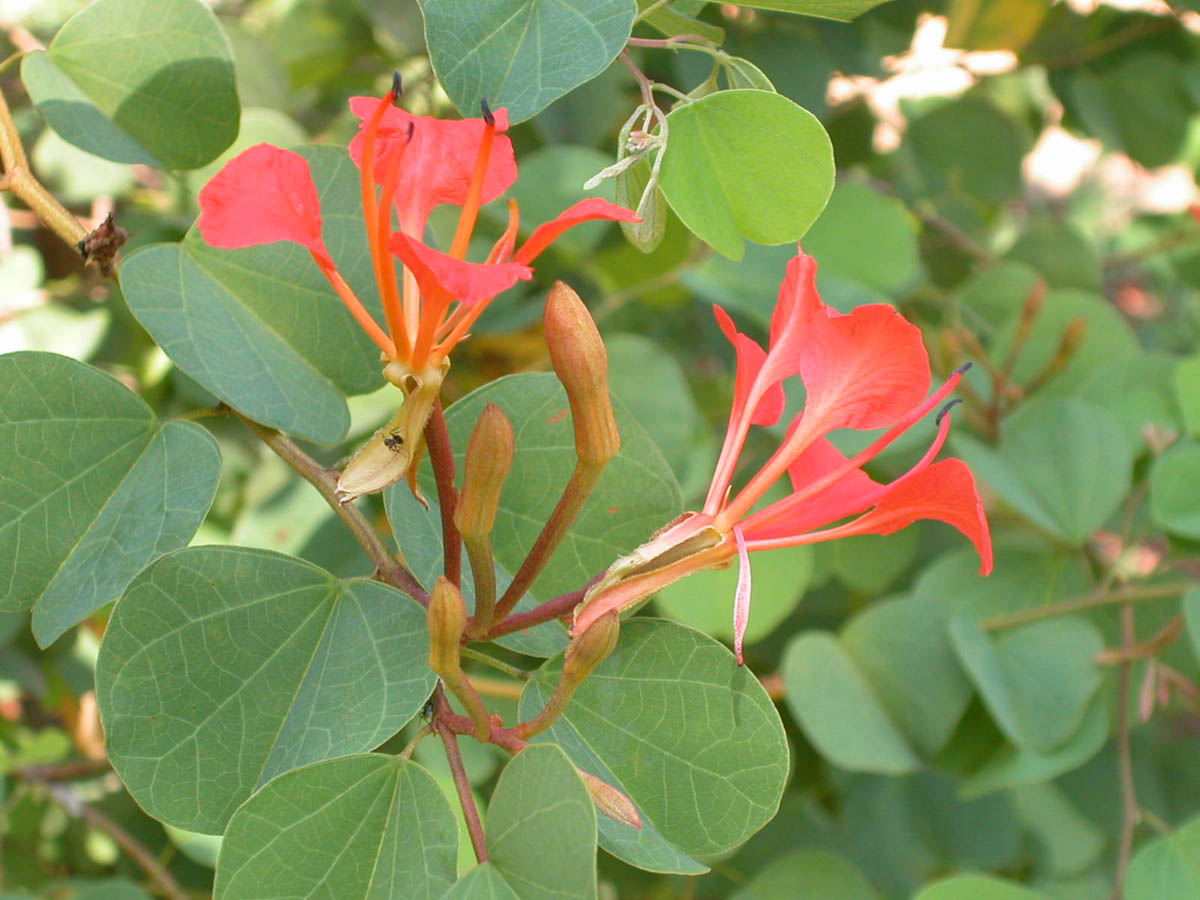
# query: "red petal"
{"type": "Point", "coordinates": [583, 211]}
{"type": "Point", "coordinates": [750, 358]}
{"type": "Point", "coordinates": [439, 163]}
{"type": "Point", "coordinates": [465, 281]}
{"type": "Point", "coordinates": [262, 195]}
{"type": "Point", "coordinates": [944, 491]}
{"type": "Point", "coordinates": [862, 370]}
{"type": "Point", "coordinates": [850, 494]}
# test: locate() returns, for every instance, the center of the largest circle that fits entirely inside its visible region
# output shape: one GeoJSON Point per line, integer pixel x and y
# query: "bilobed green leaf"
{"type": "Point", "coordinates": [1064, 464]}
{"type": "Point", "coordinates": [967, 148]}
{"type": "Point", "coordinates": [977, 887]}
{"type": "Point", "coordinates": [366, 827]}
{"type": "Point", "coordinates": [911, 668]}
{"type": "Point", "coordinates": [1012, 766]}
{"type": "Point", "coordinates": [523, 54]}
{"type": "Point", "coordinates": [838, 710]}
{"type": "Point", "coordinates": [636, 495]}
{"type": "Point", "coordinates": [1167, 868]}
{"type": "Point", "coordinates": [1068, 841]}
{"type": "Point", "coordinates": [139, 81]}
{"type": "Point", "coordinates": [705, 600]}
{"type": "Point", "coordinates": [722, 174]}
{"type": "Point", "coordinates": [541, 828]}
{"type": "Point", "coordinates": [808, 873]}
{"type": "Point", "coordinates": [93, 487]}
{"type": "Point", "coordinates": [687, 734]}
{"type": "Point", "coordinates": [1175, 489]}
{"type": "Point", "coordinates": [1037, 679]}
{"type": "Point", "coordinates": [260, 327]}
{"type": "Point", "coordinates": [223, 667]}
{"type": "Point", "coordinates": [840, 10]}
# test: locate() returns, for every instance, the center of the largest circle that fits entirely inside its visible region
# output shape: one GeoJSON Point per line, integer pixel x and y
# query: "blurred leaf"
{"type": "Point", "coordinates": [1062, 463]}
{"type": "Point", "coordinates": [55, 328]}
{"type": "Point", "coordinates": [258, 126]}
{"type": "Point", "coordinates": [692, 738]}
{"type": "Point", "coordinates": [199, 848]}
{"type": "Point", "coordinates": [808, 873]}
{"type": "Point", "coordinates": [223, 667]}
{"type": "Point", "coordinates": [911, 668]}
{"type": "Point", "coordinates": [1175, 489]}
{"type": "Point", "coordinates": [1167, 868]}
{"type": "Point", "coordinates": [260, 327]}
{"type": "Point", "coordinates": [139, 81]}
{"type": "Point", "coordinates": [1187, 390]}
{"type": "Point", "coordinates": [705, 600]}
{"type": "Point", "coordinates": [883, 257]}
{"type": "Point", "coordinates": [994, 24]}
{"type": "Point", "coordinates": [1067, 840]}
{"type": "Point", "coordinates": [968, 147]}
{"type": "Point", "coordinates": [523, 54]}
{"type": "Point", "coordinates": [838, 710]}
{"type": "Point", "coordinates": [721, 173]}
{"type": "Point", "coordinates": [551, 180]}
{"type": "Point", "coordinates": [1037, 679]}
{"type": "Point", "coordinates": [672, 22]}
{"type": "Point", "coordinates": [359, 827]}
{"type": "Point", "coordinates": [653, 388]}
{"type": "Point", "coordinates": [1059, 252]}
{"type": "Point", "coordinates": [1012, 766]}
{"type": "Point", "coordinates": [77, 176]}
{"type": "Point", "coordinates": [977, 887]}
{"type": "Point", "coordinates": [93, 487]}
{"type": "Point", "coordinates": [840, 10]}
{"type": "Point", "coordinates": [870, 563]}
{"type": "Point", "coordinates": [1111, 101]}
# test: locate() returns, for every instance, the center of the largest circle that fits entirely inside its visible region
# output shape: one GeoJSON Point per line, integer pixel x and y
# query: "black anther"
{"type": "Point", "coordinates": [397, 87]}
{"type": "Point", "coordinates": [487, 113]}
{"type": "Point", "coordinates": [946, 409]}
{"type": "Point", "coordinates": [963, 369]}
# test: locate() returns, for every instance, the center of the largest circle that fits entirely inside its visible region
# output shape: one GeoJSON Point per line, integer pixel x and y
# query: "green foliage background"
{"type": "Point", "coordinates": [941, 736]}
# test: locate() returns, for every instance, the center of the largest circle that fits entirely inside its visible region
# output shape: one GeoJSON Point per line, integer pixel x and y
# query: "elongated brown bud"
{"type": "Point", "coordinates": [613, 803]}
{"type": "Point", "coordinates": [592, 647]}
{"type": "Point", "coordinates": [581, 363]}
{"type": "Point", "coordinates": [489, 457]}
{"type": "Point", "coordinates": [447, 622]}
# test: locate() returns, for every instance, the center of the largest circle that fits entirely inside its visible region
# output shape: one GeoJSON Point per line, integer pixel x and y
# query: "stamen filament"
{"type": "Point", "coordinates": [777, 510]}
{"type": "Point", "coordinates": [470, 209]}
{"type": "Point", "coordinates": [388, 291]}
{"type": "Point", "coordinates": [364, 318]}
{"type": "Point", "coordinates": [380, 258]}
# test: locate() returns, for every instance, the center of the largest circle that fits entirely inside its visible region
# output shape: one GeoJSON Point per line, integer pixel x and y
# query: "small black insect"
{"type": "Point", "coordinates": [427, 710]}
{"type": "Point", "coordinates": [393, 442]}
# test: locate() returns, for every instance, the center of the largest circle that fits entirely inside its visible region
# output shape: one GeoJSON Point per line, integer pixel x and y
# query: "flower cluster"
{"type": "Point", "coordinates": [864, 370]}
{"type": "Point", "coordinates": [408, 165]}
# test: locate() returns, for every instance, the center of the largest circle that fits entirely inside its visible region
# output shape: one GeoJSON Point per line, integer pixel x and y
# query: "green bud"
{"type": "Point", "coordinates": [581, 363]}
{"type": "Point", "coordinates": [447, 622]}
{"type": "Point", "coordinates": [489, 457]}
{"type": "Point", "coordinates": [590, 648]}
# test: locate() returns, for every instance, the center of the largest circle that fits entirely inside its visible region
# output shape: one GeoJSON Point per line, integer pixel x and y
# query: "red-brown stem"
{"type": "Point", "coordinates": [574, 496]}
{"type": "Point", "coordinates": [461, 783]}
{"type": "Point", "coordinates": [1129, 806]}
{"type": "Point", "coordinates": [441, 456]}
{"type": "Point", "coordinates": [389, 568]}
{"type": "Point", "coordinates": [551, 609]}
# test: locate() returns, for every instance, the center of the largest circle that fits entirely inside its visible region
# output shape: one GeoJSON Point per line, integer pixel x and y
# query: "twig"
{"type": "Point", "coordinates": [551, 609]}
{"type": "Point", "coordinates": [461, 783]}
{"type": "Point", "coordinates": [494, 663]}
{"type": "Point", "coordinates": [441, 456]}
{"type": "Point", "coordinates": [65, 771]}
{"type": "Point", "coordinates": [1088, 601]}
{"type": "Point", "coordinates": [1152, 647]}
{"type": "Point", "coordinates": [66, 798]}
{"type": "Point", "coordinates": [1129, 804]}
{"type": "Point", "coordinates": [388, 568]}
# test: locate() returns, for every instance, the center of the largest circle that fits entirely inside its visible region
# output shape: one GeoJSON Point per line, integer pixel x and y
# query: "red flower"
{"type": "Point", "coordinates": [409, 164]}
{"type": "Point", "coordinates": [864, 370]}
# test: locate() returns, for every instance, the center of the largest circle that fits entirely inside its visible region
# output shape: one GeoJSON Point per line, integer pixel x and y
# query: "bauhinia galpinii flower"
{"type": "Point", "coordinates": [864, 370]}
{"type": "Point", "coordinates": [408, 165]}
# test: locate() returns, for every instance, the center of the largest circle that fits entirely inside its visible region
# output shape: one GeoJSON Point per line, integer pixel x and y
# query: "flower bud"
{"type": "Point", "coordinates": [590, 648]}
{"type": "Point", "coordinates": [447, 622]}
{"type": "Point", "coordinates": [489, 457]}
{"type": "Point", "coordinates": [613, 803]}
{"type": "Point", "coordinates": [581, 363]}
